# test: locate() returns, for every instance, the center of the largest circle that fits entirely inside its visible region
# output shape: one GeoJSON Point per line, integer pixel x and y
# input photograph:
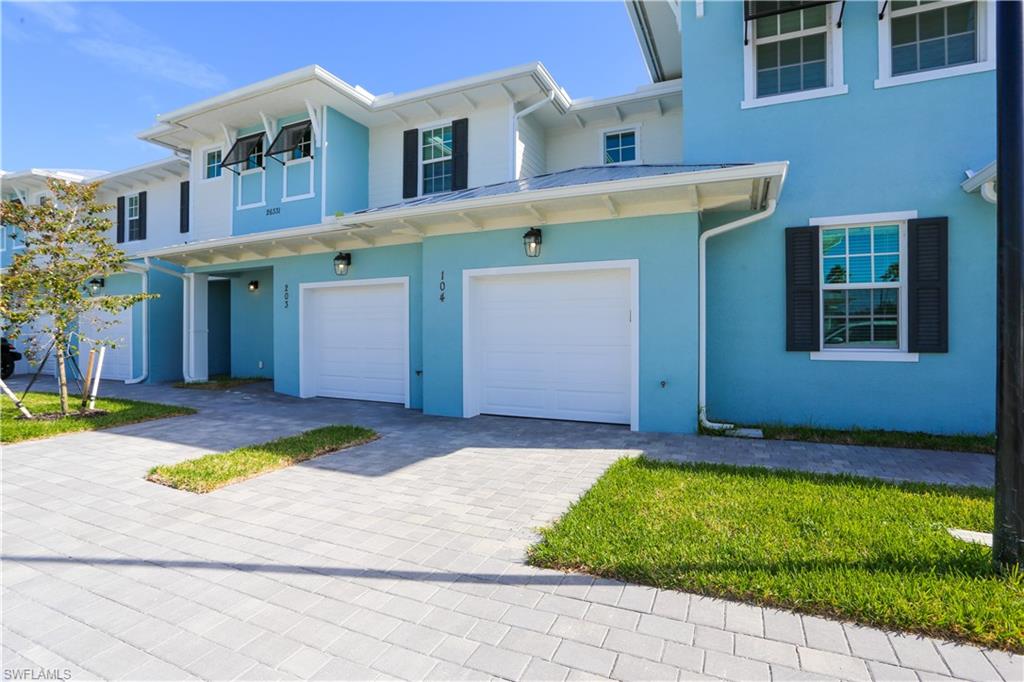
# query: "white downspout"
{"type": "Point", "coordinates": [144, 271]}
{"type": "Point", "coordinates": [515, 127]}
{"type": "Point", "coordinates": [702, 312]}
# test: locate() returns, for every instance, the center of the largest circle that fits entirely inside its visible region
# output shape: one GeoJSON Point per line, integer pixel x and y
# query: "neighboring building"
{"type": "Point", "coordinates": [491, 245]}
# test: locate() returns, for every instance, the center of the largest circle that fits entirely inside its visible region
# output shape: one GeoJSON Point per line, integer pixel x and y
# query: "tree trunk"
{"type": "Point", "coordinates": [62, 379]}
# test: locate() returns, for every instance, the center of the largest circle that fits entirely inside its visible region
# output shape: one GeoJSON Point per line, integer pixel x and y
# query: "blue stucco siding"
{"type": "Point", "coordinates": [666, 248]}
{"type": "Point", "coordinates": [252, 323]}
{"type": "Point", "coordinates": [346, 157]}
{"type": "Point", "coordinates": [902, 148]}
{"type": "Point", "coordinates": [165, 326]}
{"type": "Point", "coordinates": [348, 164]}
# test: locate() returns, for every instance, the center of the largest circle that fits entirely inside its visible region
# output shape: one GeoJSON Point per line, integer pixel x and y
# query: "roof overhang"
{"type": "Point", "coordinates": [139, 177]}
{"type": "Point", "coordinates": [314, 86]}
{"type": "Point", "coordinates": [734, 188]}
{"type": "Point", "coordinates": [34, 180]}
{"type": "Point", "coordinates": [984, 181]}
{"type": "Point", "coordinates": [656, 23]}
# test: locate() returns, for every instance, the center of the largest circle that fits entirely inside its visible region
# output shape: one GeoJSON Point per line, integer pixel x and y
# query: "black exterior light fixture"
{"type": "Point", "coordinates": [254, 285]}
{"type": "Point", "coordinates": [342, 262]}
{"type": "Point", "coordinates": [531, 242]}
{"type": "Point", "coordinates": [95, 284]}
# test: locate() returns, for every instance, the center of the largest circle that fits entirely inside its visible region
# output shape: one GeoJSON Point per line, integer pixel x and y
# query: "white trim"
{"type": "Point", "coordinates": [323, 164]}
{"type": "Point", "coordinates": [204, 165]}
{"type": "Point", "coordinates": [635, 128]}
{"type": "Point", "coordinates": [263, 188]}
{"type": "Point", "coordinates": [836, 80]}
{"type": "Point", "coordinates": [845, 220]}
{"type": "Point", "coordinates": [284, 172]}
{"type": "Point", "coordinates": [899, 354]}
{"type": "Point", "coordinates": [470, 402]}
{"type": "Point", "coordinates": [865, 355]}
{"type": "Point", "coordinates": [986, 45]}
{"type": "Point", "coordinates": [304, 390]}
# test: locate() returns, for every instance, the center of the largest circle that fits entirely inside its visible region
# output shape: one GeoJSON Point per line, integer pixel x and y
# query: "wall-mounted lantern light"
{"type": "Point", "coordinates": [254, 285]}
{"type": "Point", "coordinates": [531, 241]}
{"type": "Point", "coordinates": [95, 284]}
{"type": "Point", "coordinates": [342, 262]}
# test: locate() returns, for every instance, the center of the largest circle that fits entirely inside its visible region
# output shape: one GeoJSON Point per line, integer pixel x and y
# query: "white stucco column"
{"type": "Point", "coordinates": [197, 327]}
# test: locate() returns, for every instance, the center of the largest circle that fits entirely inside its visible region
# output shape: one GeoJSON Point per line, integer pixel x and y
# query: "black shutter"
{"type": "Point", "coordinates": [183, 207]}
{"type": "Point", "coordinates": [142, 215]}
{"type": "Point", "coordinates": [803, 320]}
{"type": "Point", "coordinates": [460, 153]}
{"type": "Point", "coordinates": [928, 285]}
{"type": "Point", "coordinates": [410, 164]}
{"type": "Point", "coordinates": [120, 220]}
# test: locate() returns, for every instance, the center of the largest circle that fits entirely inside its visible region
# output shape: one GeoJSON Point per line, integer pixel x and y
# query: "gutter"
{"type": "Point", "coordinates": [702, 360]}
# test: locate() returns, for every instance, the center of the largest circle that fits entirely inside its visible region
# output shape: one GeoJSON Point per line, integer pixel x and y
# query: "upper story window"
{"type": "Point", "coordinates": [304, 147]}
{"type": "Point", "coordinates": [436, 159]}
{"type": "Point", "coordinates": [133, 216]}
{"type": "Point", "coordinates": [294, 142]}
{"type": "Point", "coordinates": [212, 167]}
{"type": "Point", "coordinates": [792, 55]}
{"type": "Point", "coordinates": [790, 51]}
{"type": "Point", "coordinates": [862, 287]}
{"type": "Point", "coordinates": [246, 152]}
{"type": "Point", "coordinates": [620, 146]}
{"type": "Point", "coordinates": [921, 40]}
{"type": "Point", "coordinates": [254, 159]}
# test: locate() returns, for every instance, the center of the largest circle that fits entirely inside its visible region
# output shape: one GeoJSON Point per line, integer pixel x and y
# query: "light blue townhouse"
{"type": "Point", "coordinates": [793, 222]}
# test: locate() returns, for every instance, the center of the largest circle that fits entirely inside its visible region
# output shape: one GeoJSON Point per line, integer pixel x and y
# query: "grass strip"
{"type": "Point", "coordinates": [109, 412]}
{"type": "Point", "coordinates": [203, 474]}
{"type": "Point", "coordinates": [852, 548]}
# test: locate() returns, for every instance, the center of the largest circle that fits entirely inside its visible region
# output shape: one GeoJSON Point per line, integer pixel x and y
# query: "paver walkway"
{"type": "Point", "coordinates": [398, 559]}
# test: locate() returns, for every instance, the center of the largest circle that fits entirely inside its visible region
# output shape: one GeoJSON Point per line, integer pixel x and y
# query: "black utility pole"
{"type": "Point", "coordinates": [1008, 538]}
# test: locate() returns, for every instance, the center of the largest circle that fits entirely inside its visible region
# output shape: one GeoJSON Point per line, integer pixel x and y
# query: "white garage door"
{"type": "Point", "coordinates": [356, 342]}
{"type": "Point", "coordinates": [117, 361]}
{"type": "Point", "coordinates": [551, 344]}
{"type": "Point", "coordinates": [33, 336]}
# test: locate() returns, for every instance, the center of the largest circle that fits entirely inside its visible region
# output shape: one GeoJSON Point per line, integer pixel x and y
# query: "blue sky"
{"type": "Point", "coordinates": [80, 79]}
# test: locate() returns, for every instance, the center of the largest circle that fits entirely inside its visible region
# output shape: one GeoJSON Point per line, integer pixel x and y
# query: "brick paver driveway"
{"type": "Point", "coordinates": [401, 558]}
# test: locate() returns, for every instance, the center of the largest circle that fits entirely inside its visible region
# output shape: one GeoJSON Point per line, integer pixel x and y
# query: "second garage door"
{"type": "Point", "coordinates": [116, 328]}
{"type": "Point", "coordinates": [355, 342]}
{"type": "Point", "coordinates": [551, 344]}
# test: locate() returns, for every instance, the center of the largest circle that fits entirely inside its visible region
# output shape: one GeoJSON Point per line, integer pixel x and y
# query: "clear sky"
{"type": "Point", "coordinates": [79, 80]}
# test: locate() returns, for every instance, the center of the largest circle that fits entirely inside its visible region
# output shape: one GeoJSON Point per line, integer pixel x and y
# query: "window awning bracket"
{"type": "Point", "coordinates": [881, 14]}
{"type": "Point", "coordinates": [842, 10]}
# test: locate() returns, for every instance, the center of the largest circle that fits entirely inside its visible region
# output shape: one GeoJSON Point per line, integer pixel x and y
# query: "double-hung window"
{"type": "Point", "coordinates": [133, 217]}
{"type": "Point", "coordinates": [254, 159]}
{"type": "Point", "coordinates": [212, 167]}
{"type": "Point", "coordinates": [924, 39]}
{"type": "Point", "coordinates": [620, 146]}
{"type": "Point", "coordinates": [436, 159]}
{"type": "Point", "coordinates": [862, 287]}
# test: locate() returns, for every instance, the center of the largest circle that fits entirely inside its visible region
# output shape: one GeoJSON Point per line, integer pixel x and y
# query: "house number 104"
{"type": "Point", "coordinates": [441, 286]}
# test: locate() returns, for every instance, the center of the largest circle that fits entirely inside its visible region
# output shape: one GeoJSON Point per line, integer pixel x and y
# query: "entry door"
{"type": "Point", "coordinates": [113, 327]}
{"type": "Point", "coordinates": [356, 342]}
{"type": "Point", "coordinates": [552, 344]}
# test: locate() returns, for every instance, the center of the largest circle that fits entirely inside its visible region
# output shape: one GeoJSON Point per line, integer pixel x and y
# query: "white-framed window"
{"type": "Point", "coordinates": [304, 147]}
{"type": "Point", "coordinates": [620, 146]}
{"type": "Point", "coordinates": [793, 56]}
{"type": "Point", "coordinates": [436, 165]}
{"type": "Point", "coordinates": [863, 290]}
{"type": "Point", "coordinates": [298, 172]}
{"type": "Point", "coordinates": [923, 40]}
{"type": "Point", "coordinates": [211, 164]}
{"type": "Point", "coordinates": [133, 217]}
{"type": "Point", "coordinates": [255, 159]}
{"type": "Point", "coordinates": [252, 178]}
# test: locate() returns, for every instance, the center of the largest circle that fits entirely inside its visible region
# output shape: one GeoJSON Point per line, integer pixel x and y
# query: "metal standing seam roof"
{"type": "Point", "coordinates": [577, 176]}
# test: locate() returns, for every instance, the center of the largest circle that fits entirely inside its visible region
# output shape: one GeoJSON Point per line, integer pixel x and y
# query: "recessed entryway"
{"type": "Point", "coordinates": [354, 340]}
{"type": "Point", "coordinates": [553, 341]}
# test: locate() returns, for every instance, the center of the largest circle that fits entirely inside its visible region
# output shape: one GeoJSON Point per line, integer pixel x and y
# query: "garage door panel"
{"type": "Point", "coordinates": [358, 342]}
{"type": "Point", "coordinates": [554, 345]}
{"type": "Point", "coordinates": [115, 328]}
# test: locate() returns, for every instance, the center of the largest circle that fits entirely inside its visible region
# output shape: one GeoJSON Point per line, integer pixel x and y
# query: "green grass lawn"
{"type": "Point", "coordinates": [852, 548]}
{"type": "Point", "coordinates": [219, 383]}
{"type": "Point", "coordinates": [14, 428]}
{"type": "Point", "coordinates": [890, 439]}
{"type": "Point", "coordinates": [210, 472]}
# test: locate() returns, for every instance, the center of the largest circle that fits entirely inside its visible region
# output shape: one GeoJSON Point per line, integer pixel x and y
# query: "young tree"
{"type": "Point", "coordinates": [47, 283]}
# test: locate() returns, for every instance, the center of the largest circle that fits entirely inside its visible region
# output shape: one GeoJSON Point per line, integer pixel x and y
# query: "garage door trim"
{"type": "Point", "coordinates": [470, 402]}
{"type": "Point", "coordinates": [306, 390]}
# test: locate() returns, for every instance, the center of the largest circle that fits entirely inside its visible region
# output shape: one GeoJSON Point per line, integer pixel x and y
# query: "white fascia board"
{"type": "Point", "coordinates": [976, 180]}
{"type": "Point", "coordinates": [168, 163]}
{"type": "Point", "coordinates": [660, 89]}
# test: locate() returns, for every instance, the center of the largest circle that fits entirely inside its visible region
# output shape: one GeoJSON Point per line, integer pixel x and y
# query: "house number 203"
{"type": "Point", "coordinates": [441, 286]}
